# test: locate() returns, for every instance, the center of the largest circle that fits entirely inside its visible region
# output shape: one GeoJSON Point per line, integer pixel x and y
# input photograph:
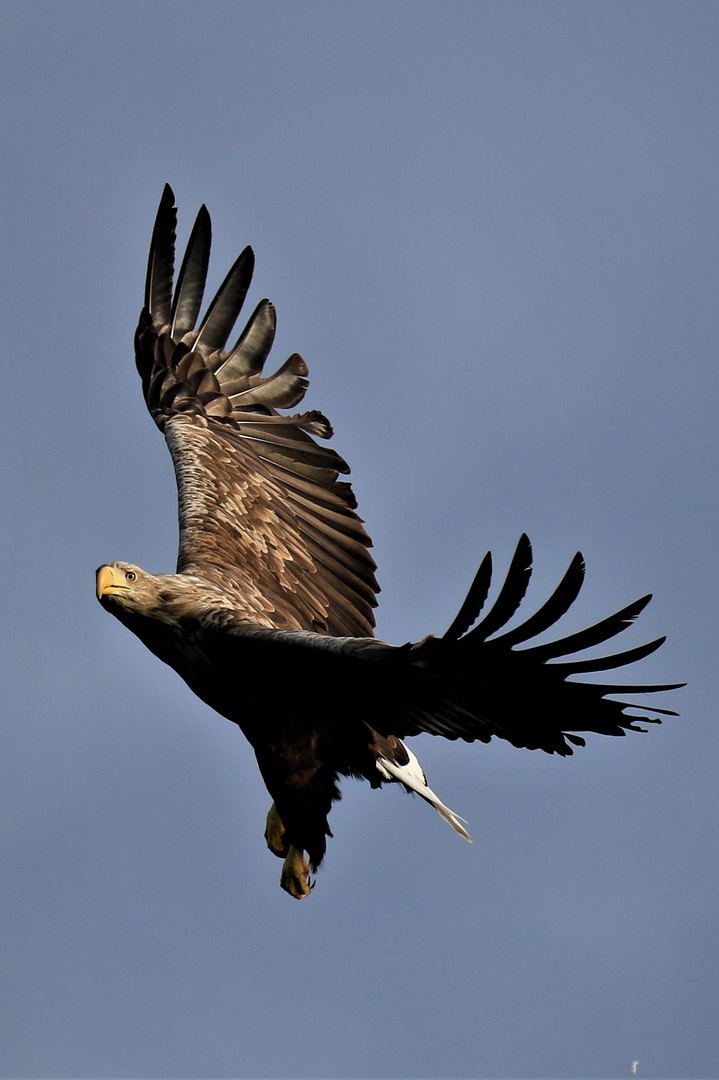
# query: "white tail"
{"type": "Point", "coordinates": [412, 777]}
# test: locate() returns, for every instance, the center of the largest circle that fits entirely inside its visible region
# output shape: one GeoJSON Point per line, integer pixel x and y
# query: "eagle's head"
{"type": "Point", "coordinates": [123, 585]}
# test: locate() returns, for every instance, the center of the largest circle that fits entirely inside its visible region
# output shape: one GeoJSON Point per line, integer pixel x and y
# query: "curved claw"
{"type": "Point", "coordinates": [295, 876]}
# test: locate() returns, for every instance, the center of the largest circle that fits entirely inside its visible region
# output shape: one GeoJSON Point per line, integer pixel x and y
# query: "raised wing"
{"type": "Point", "coordinates": [262, 512]}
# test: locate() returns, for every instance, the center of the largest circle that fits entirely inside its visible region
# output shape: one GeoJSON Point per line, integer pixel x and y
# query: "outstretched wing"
{"type": "Point", "coordinates": [473, 683]}
{"type": "Point", "coordinates": [262, 512]}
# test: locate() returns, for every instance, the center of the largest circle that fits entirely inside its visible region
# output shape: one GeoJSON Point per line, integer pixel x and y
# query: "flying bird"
{"type": "Point", "coordinates": [269, 617]}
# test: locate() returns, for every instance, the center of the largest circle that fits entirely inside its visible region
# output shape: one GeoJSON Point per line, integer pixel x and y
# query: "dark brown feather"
{"type": "Point", "coordinates": [253, 346]}
{"type": "Point", "coordinates": [474, 688]}
{"type": "Point", "coordinates": [191, 280]}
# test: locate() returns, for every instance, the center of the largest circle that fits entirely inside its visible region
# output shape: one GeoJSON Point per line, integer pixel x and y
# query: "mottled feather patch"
{"type": "Point", "coordinates": [230, 517]}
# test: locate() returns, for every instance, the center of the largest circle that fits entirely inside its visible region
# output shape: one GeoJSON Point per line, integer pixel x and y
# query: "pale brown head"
{"type": "Point", "coordinates": [126, 590]}
{"type": "Point", "coordinates": [125, 584]}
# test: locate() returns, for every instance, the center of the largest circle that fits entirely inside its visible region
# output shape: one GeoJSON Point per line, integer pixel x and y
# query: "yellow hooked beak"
{"type": "Point", "coordinates": [109, 581]}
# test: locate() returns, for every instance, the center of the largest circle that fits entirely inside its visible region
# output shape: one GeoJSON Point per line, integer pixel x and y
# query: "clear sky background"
{"type": "Point", "coordinates": [492, 230]}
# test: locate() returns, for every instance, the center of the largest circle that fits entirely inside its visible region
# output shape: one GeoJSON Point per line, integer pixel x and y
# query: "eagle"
{"type": "Point", "coordinates": [269, 617]}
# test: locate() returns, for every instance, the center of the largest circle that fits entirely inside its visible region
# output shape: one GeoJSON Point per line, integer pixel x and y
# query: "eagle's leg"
{"type": "Point", "coordinates": [295, 876]}
{"type": "Point", "coordinates": [275, 835]}
{"type": "Point", "coordinates": [303, 790]}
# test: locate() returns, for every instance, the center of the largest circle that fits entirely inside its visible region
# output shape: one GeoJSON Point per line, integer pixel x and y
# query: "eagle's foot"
{"type": "Point", "coordinates": [295, 876]}
{"type": "Point", "coordinates": [275, 835]}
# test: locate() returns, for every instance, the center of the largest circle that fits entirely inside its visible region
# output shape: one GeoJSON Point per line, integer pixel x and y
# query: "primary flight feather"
{"type": "Point", "coordinates": [270, 616]}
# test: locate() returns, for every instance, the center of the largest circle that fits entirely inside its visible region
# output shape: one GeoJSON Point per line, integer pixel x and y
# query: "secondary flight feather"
{"type": "Point", "coordinates": [269, 617]}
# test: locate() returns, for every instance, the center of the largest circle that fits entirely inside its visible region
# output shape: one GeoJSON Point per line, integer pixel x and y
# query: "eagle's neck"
{"type": "Point", "coordinates": [172, 616]}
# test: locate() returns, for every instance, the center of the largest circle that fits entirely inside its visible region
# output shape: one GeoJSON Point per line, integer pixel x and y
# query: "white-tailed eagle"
{"type": "Point", "coordinates": [269, 617]}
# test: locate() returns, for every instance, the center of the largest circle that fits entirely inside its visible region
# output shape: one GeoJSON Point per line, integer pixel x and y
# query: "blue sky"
{"type": "Point", "coordinates": [491, 229]}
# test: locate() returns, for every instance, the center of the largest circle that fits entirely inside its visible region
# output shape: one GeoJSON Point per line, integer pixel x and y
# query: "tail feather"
{"type": "Point", "coordinates": [411, 776]}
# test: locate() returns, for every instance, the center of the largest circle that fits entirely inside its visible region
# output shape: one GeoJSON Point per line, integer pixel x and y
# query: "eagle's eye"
{"type": "Point", "coordinates": [130, 575]}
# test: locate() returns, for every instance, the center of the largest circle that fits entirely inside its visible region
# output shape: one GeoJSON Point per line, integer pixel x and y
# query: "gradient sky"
{"type": "Point", "coordinates": [491, 229]}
